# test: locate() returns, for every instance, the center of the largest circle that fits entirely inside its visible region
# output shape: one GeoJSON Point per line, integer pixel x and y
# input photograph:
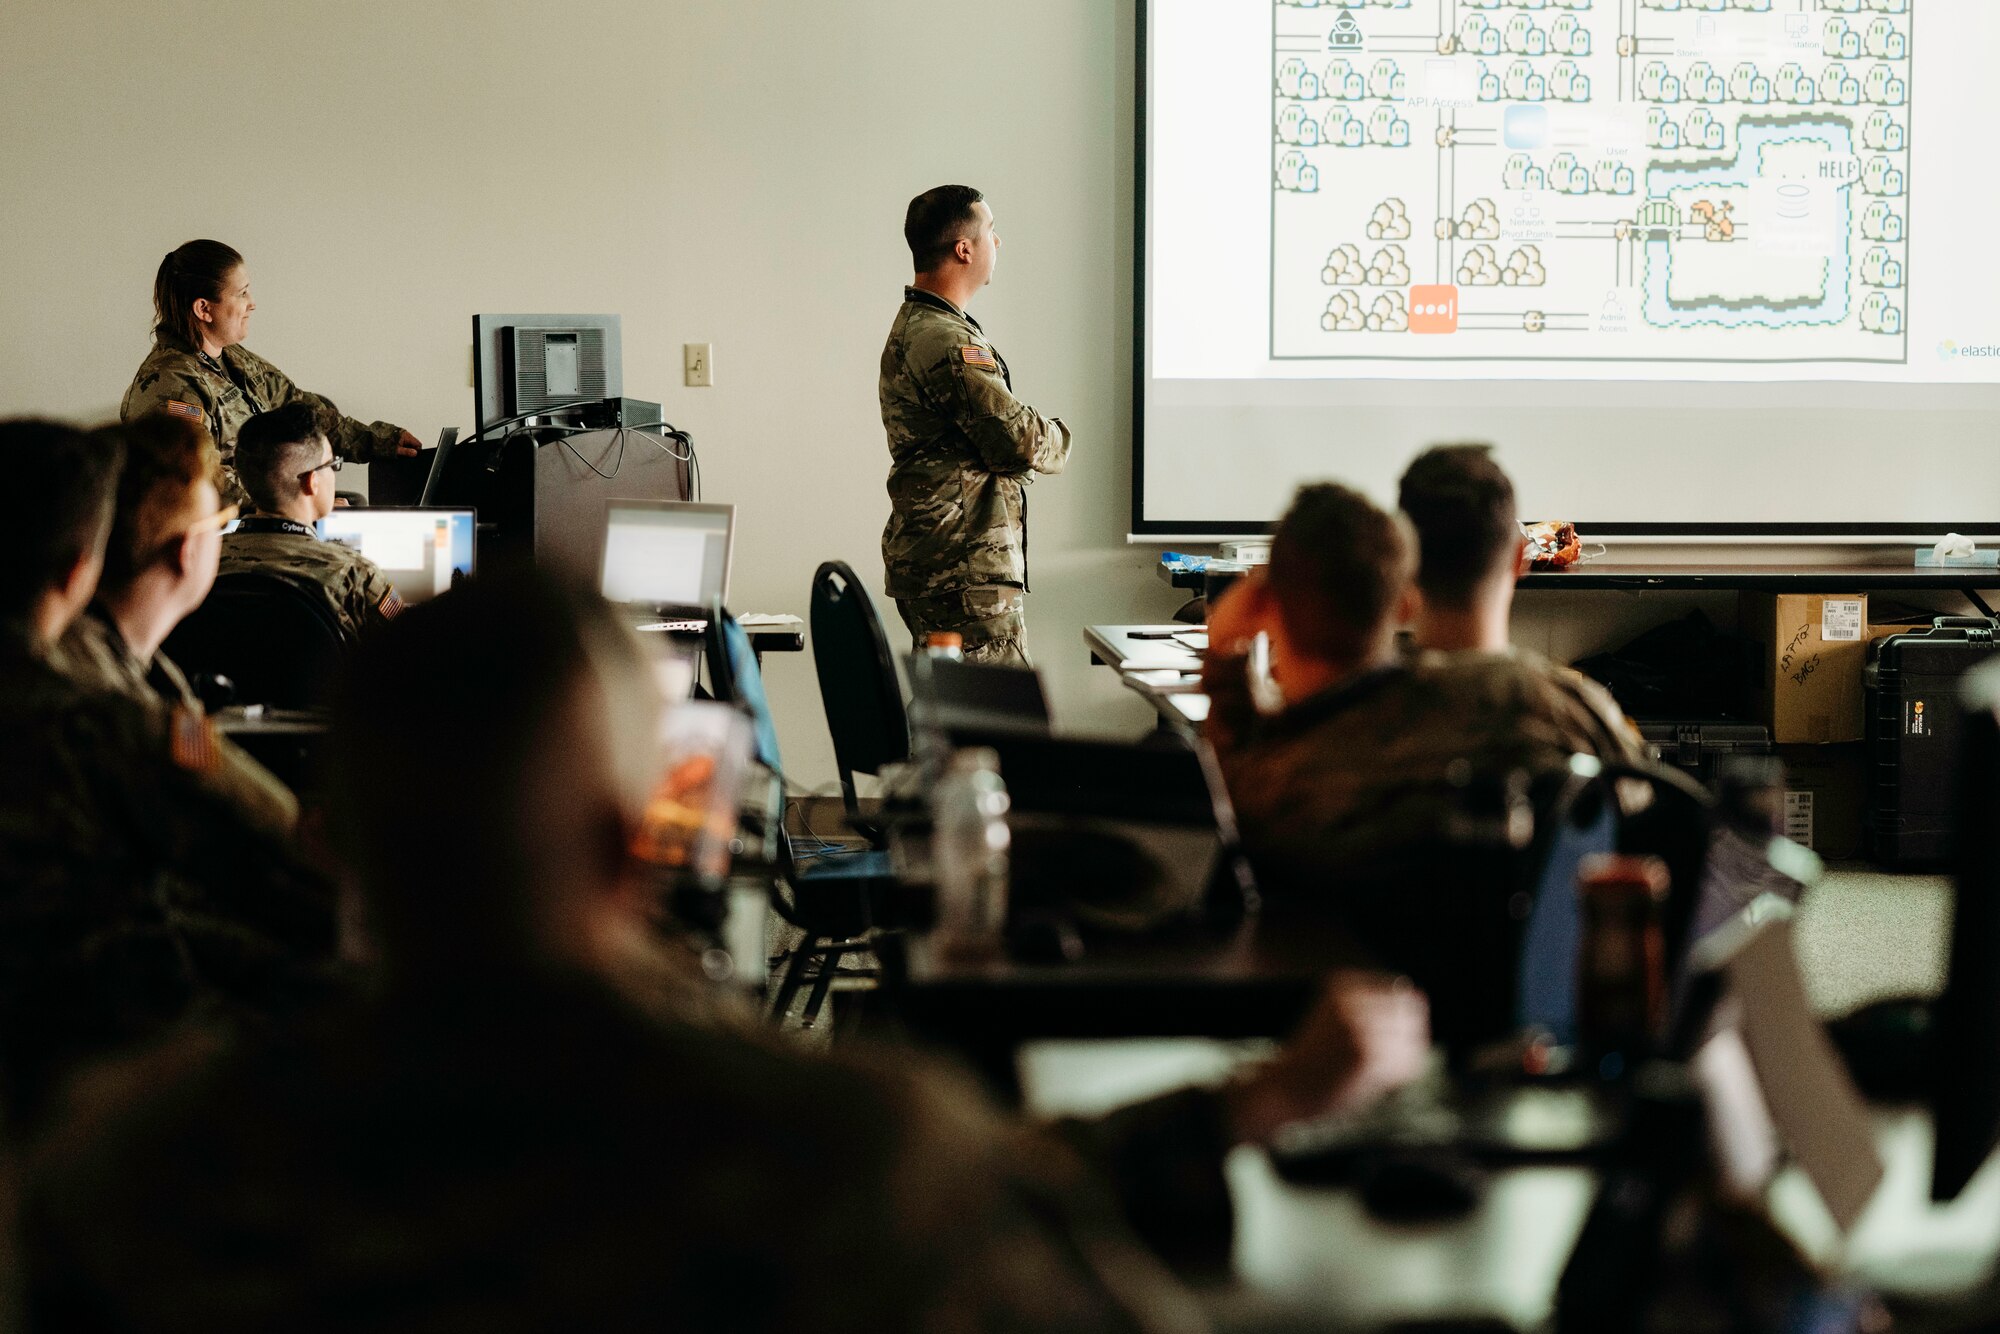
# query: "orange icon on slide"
{"type": "Point", "coordinates": [1434, 310]}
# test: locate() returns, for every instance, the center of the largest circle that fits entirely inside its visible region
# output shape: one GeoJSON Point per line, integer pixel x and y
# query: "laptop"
{"type": "Point", "coordinates": [662, 555]}
{"type": "Point", "coordinates": [439, 457]}
{"type": "Point", "coordinates": [422, 551]}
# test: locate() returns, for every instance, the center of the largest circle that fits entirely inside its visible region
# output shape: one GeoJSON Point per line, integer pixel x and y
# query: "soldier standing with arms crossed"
{"type": "Point", "coordinates": [962, 447]}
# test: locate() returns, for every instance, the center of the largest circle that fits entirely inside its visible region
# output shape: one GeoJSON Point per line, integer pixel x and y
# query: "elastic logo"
{"type": "Point", "coordinates": [180, 409]}
{"type": "Point", "coordinates": [974, 355]}
{"type": "Point", "coordinates": [391, 605]}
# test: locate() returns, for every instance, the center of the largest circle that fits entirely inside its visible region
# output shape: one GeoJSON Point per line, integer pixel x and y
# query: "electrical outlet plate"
{"type": "Point", "coordinates": [698, 363]}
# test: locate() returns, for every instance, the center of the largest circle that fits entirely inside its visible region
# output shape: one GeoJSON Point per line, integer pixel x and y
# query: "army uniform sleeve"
{"type": "Point", "coordinates": [1600, 722]}
{"type": "Point", "coordinates": [352, 439]}
{"type": "Point", "coordinates": [263, 801]}
{"type": "Point", "coordinates": [226, 772]}
{"type": "Point", "coordinates": [370, 600]}
{"type": "Point", "coordinates": [969, 384]}
{"type": "Point", "coordinates": [217, 764]}
{"type": "Point", "coordinates": [177, 391]}
{"type": "Point", "coordinates": [362, 441]}
{"type": "Point", "coordinates": [156, 781]}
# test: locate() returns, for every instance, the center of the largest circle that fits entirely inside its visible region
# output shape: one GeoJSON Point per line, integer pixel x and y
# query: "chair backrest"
{"type": "Point", "coordinates": [967, 702]}
{"type": "Point", "coordinates": [857, 679]}
{"type": "Point", "coordinates": [279, 642]}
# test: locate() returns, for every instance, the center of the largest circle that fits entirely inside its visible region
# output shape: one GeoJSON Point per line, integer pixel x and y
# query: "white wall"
{"type": "Point", "coordinates": [733, 173]}
{"type": "Point", "coordinates": [726, 173]}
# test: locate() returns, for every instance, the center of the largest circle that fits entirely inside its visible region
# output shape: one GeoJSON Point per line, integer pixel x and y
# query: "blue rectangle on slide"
{"type": "Point", "coordinates": [1526, 127]}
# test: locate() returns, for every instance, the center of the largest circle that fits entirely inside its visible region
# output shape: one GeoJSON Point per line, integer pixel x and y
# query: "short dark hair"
{"type": "Point", "coordinates": [68, 478]}
{"type": "Point", "coordinates": [1463, 507]}
{"type": "Point", "coordinates": [192, 271]}
{"type": "Point", "coordinates": [477, 678]}
{"type": "Point", "coordinates": [935, 221]}
{"type": "Point", "coordinates": [274, 447]}
{"type": "Point", "coordinates": [1338, 567]}
{"type": "Point", "coordinates": [166, 458]}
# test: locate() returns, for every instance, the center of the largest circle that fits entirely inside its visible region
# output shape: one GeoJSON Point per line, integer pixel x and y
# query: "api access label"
{"type": "Point", "coordinates": [1434, 309]}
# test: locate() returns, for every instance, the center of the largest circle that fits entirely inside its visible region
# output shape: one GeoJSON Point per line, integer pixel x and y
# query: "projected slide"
{"type": "Point", "coordinates": [1720, 265]}
{"type": "Point", "coordinates": [1594, 180]}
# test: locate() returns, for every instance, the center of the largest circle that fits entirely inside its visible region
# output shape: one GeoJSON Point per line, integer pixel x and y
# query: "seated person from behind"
{"type": "Point", "coordinates": [286, 464]}
{"type": "Point", "coordinates": [131, 895]}
{"type": "Point", "coordinates": [510, 1132]}
{"type": "Point", "coordinates": [160, 560]}
{"type": "Point", "coordinates": [1471, 555]}
{"type": "Point", "coordinates": [1362, 761]}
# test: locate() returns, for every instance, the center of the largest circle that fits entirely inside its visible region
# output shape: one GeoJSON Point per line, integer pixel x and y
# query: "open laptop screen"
{"type": "Point", "coordinates": [665, 553]}
{"type": "Point", "coordinates": [421, 551]}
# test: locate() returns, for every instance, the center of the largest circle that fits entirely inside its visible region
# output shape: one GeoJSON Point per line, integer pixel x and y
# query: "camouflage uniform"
{"type": "Point", "coordinates": [96, 656]}
{"type": "Point", "coordinates": [354, 587]}
{"type": "Point", "coordinates": [1363, 770]}
{"type": "Point", "coordinates": [542, 1155]}
{"type": "Point", "coordinates": [226, 391]}
{"type": "Point", "coordinates": [962, 450]}
{"type": "Point", "coordinates": [130, 894]}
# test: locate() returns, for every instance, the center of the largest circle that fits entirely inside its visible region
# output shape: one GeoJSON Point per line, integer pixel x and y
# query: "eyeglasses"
{"type": "Point", "coordinates": [222, 518]}
{"type": "Point", "coordinates": [333, 463]}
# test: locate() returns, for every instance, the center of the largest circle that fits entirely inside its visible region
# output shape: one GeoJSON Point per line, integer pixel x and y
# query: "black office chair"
{"type": "Point", "coordinates": [1452, 909]}
{"type": "Point", "coordinates": [857, 683]}
{"type": "Point", "coordinates": [276, 639]}
{"type": "Point", "coordinates": [837, 897]}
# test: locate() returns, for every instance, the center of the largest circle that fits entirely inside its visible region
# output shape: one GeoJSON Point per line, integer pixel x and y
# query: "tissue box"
{"type": "Point", "coordinates": [1978, 560]}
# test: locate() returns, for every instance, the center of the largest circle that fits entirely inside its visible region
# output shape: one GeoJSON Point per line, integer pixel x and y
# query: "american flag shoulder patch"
{"type": "Point", "coordinates": [180, 409]}
{"type": "Point", "coordinates": [391, 605]}
{"type": "Point", "coordinates": [193, 742]}
{"type": "Point", "coordinates": [974, 355]}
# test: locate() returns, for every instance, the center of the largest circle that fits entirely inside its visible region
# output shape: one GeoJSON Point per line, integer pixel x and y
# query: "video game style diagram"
{"type": "Point", "coordinates": [1661, 180]}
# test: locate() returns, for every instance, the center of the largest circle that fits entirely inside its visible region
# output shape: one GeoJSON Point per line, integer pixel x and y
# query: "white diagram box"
{"type": "Point", "coordinates": [1738, 181]}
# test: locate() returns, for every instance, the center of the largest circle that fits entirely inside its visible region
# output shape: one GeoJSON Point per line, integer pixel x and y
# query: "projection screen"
{"type": "Point", "coordinates": [1695, 267]}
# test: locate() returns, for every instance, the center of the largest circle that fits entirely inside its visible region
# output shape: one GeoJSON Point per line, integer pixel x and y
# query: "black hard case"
{"type": "Point", "coordinates": [1911, 684]}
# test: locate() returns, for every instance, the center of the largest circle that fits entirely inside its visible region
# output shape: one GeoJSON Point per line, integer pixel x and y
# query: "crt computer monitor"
{"type": "Point", "coordinates": [422, 551]}
{"type": "Point", "coordinates": [666, 553]}
{"type": "Point", "coordinates": [1965, 1037]}
{"type": "Point", "coordinates": [530, 363]}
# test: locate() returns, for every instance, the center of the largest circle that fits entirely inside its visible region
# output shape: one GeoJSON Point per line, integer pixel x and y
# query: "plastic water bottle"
{"type": "Point", "coordinates": [970, 843]}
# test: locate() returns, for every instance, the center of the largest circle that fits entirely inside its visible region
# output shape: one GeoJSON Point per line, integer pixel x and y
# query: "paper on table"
{"type": "Point", "coordinates": [765, 620]}
{"type": "Point", "coordinates": [1166, 678]}
{"type": "Point", "coordinates": [1194, 639]}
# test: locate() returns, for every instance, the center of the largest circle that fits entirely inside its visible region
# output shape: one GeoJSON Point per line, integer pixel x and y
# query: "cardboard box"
{"type": "Point", "coordinates": [1826, 797]}
{"type": "Point", "coordinates": [1811, 650]}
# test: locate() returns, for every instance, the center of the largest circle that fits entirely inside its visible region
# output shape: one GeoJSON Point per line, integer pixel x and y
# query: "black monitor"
{"type": "Point", "coordinates": [1965, 1073]}
{"type": "Point", "coordinates": [523, 364]}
